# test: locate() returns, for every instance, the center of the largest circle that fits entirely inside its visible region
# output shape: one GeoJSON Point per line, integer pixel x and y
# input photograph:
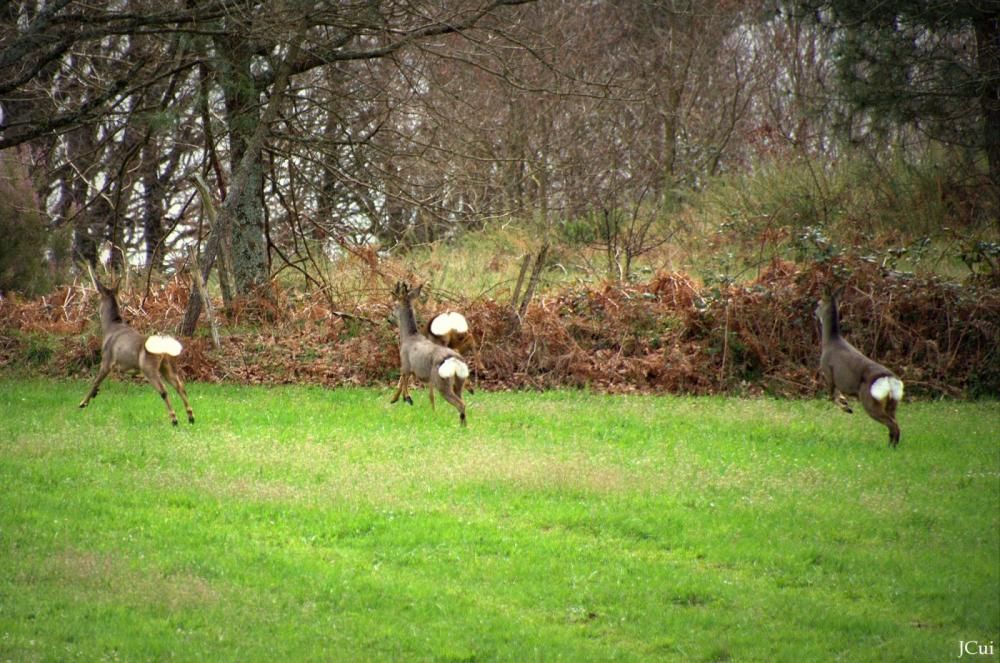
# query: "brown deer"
{"type": "Point", "coordinates": [451, 330]}
{"type": "Point", "coordinates": [129, 350]}
{"type": "Point", "coordinates": [852, 374]}
{"type": "Point", "coordinates": [442, 368]}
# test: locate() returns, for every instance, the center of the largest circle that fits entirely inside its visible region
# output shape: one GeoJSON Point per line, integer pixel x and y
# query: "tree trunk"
{"type": "Point", "coordinates": [988, 55]}
{"type": "Point", "coordinates": [246, 229]}
{"type": "Point", "coordinates": [152, 210]}
{"type": "Point", "coordinates": [86, 238]}
{"type": "Point", "coordinates": [248, 168]}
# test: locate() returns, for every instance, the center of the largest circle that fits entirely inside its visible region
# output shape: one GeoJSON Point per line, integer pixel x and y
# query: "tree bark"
{"type": "Point", "coordinates": [246, 224]}
{"type": "Point", "coordinates": [248, 168]}
{"type": "Point", "coordinates": [988, 55]}
{"type": "Point", "coordinates": [152, 210]}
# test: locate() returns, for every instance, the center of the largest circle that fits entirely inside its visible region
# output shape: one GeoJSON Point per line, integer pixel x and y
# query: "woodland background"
{"type": "Point", "coordinates": [622, 195]}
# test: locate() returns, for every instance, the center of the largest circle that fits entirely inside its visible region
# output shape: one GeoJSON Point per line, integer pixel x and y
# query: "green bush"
{"type": "Point", "coordinates": [897, 213]}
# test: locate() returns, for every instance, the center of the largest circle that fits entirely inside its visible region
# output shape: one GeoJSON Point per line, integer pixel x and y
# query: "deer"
{"type": "Point", "coordinates": [442, 368]}
{"type": "Point", "coordinates": [126, 348]}
{"type": "Point", "coordinates": [851, 373]}
{"type": "Point", "coordinates": [451, 330]}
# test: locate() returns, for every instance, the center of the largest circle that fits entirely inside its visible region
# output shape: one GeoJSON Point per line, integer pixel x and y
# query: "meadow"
{"type": "Point", "coordinates": [316, 524]}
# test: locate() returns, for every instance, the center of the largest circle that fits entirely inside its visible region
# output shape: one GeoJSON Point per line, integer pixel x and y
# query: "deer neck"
{"type": "Point", "coordinates": [110, 313]}
{"type": "Point", "coordinates": [407, 321]}
{"type": "Point", "coordinates": [831, 323]}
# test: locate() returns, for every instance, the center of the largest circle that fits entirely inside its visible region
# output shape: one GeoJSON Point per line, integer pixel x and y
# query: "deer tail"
{"type": "Point", "coordinates": [158, 344]}
{"type": "Point", "coordinates": [447, 322]}
{"type": "Point", "coordinates": [887, 386]}
{"type": "Point", "coordinates": [453, 366]}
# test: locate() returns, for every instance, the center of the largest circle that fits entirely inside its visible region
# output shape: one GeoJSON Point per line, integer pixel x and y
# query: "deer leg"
{"type": "Point", "coordinates": [882, 412]}
{"type": "Point", "coordinates": [893, 433]}
{"type": "Point", "coordinates": [470, 388]}
{"type": "Point", "coordinates": [399, 388]}
{"type": "Point", "coordinates": [101, 374]}
{"type": "Point", "coordinates": [838, 398]}
{"type": "Point", "coordinates": [402, 387]}
{"type": "Point", "coordinates": [430, 390]}
{"type": "Point", "coordinates": [151, 370]}
{"type": "Point", "coordinates": [168, 371]}
{"type": "Point", "coordinates": [449, 395]}
{"type": "Point", "coordinates": [890, 410]}
{"type": "Point", "coordinates": [406, 389]}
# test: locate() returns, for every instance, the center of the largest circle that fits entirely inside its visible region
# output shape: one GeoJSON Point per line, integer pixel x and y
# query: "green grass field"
{"type": "Point", "coordinates": [309, 524]}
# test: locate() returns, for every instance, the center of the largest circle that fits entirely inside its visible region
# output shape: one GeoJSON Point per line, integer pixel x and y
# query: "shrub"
{"type": "Point", "coordinates": [898, 214]}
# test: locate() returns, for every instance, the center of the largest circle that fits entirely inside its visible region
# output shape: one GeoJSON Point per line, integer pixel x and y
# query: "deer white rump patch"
{"type": "Point", "coordinates": [163, 345]}
{"type": "Point", "coordinates": [449, 322]}
{"type": "Point", "coordinates": [453, 366]}
{"type": "Point", "coordinates": [887, 386]}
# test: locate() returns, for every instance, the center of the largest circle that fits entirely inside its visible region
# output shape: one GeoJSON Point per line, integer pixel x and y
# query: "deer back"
{"type": "Point", "coordinates": [850, 369]}
{"type": "Point", "coordinates": [121, 344]}
{"type": "Point", "coordinates": [423, 357]}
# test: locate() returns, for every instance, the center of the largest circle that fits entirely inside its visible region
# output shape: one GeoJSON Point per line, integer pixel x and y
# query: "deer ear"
{"type": "Point", "coordinates": [415, 292]}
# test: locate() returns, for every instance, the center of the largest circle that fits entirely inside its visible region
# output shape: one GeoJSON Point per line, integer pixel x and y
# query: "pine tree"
{"type": "Point", "coordinates": [929, 64]}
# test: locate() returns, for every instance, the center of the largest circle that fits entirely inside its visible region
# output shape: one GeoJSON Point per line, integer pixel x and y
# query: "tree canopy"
{"type": "Point", "coordinates": [324, 125]}
{"type": "Point", "coordinates": [929, 64]}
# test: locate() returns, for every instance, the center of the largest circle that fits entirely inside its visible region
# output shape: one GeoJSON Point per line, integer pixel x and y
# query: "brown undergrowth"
{"type": "Point", "coordinates": [669, 334]}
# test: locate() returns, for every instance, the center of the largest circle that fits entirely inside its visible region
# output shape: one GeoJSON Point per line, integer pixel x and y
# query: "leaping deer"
{"type": "Point", "coordinates": [129, 350]}
{"type": "Point", "coordinates": [854, 374]}
{"type": "Point", "coordinates": [451, 330]}
{"type": "Point", "coordinates": [441, 367]}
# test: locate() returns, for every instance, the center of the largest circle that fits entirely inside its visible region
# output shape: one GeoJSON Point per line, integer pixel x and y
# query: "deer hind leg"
{"type": "Point", "coordinates": [883, 412]}
{"type": "Point", "coordinates": [890, 411]}
{"type": "Point", "coordinates": [169, 372]}
{"type": "Point", "coordinates": [430, 390]}
{"type": "Point", "coordinates": [471, 387]}
{"type": "Point", "coordinates": [106, 364]}
{"type": "Point", "coordinates": [150, 365]}
{"type": "Point", "coordinates": [893, 433]}
{"type": "Point", "coordinates": [446, 389]}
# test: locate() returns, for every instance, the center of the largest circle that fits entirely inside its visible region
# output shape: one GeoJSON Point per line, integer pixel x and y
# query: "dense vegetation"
{"type": "Point", "coordinates": [668, 333]}
{"type": "Point", "coordinates": [330, 130]}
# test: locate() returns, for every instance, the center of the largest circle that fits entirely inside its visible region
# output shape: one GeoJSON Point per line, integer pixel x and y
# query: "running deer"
{"type": "Point", "coordinates": [129, 350]}
{"type": "Point", "coordinates": [451, 330]}
{"type": "Point", "coordinates": [853, 374]}
{"type": "Point", "coordinates": [442, 368]}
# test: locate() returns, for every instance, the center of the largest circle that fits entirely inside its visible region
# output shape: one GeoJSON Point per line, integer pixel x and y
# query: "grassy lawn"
{"type": "Point", "coordinates": [329, 525]}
